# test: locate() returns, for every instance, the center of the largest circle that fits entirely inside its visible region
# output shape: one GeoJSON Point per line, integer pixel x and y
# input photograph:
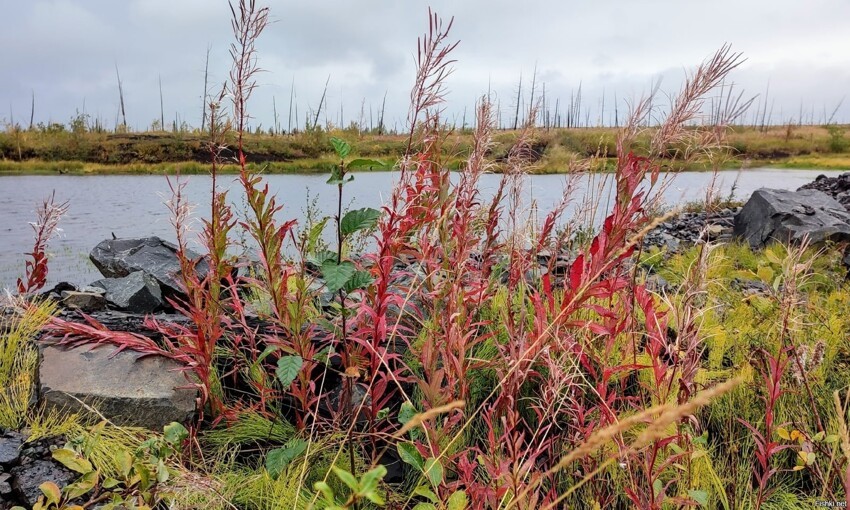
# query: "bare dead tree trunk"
{"type": "Point", "coordinates": [616, 112]}
{"type": "Point", "coordinates": [764, 109]}
{"type": "Point", "coordinates": [32, 110]}
{"type": "Point", "coordinates": [362, 116]}
{"type": "Point", "coordinates": [381, 118]}
{"type": "Point", "coordinates": [518, 95]}
{"type": "Point", "coordinates": [161, 107]}
{"type": "Point", "coordinates": [206, 91]}
{"type": "Point", "coordinates": [121, 98]}
{"type": "Point", "coordinates": [276, 128]}
{"type": "Point", "coordinates": [321, 102]}
{"type": "Point", "coordinates": [291, 98]}
{"type": "Point", "coordinates": [533, 90]}
{"type": "Point", "coordinates": [602, 112]}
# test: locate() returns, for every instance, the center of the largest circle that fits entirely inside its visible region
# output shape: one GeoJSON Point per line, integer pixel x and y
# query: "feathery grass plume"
{"type": "Point", "coordinates": [433, 66]}
{"type": "Point", "coordinates": [45, 227]}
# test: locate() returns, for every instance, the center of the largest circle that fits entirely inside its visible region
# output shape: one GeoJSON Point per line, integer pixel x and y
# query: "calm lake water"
{"type": "Point", "coordinates": [133, 205]}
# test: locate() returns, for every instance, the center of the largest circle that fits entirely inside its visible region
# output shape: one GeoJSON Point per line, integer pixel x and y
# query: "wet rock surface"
{"type": "Point", "coordinates": [836, 187]}
{"type": "Point", "coordinates": [116, 258]}
{"type": "Point", "coordinates": [25, 466]}
{"type": "Point", "coordinates": [790, 216]}
{"type": "Point", "coordinates": [690, 228]}
{"type": "Point", "coordinates": [137, 292]}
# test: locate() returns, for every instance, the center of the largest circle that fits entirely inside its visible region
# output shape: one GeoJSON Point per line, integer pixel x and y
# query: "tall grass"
{"type": "Point", "coordinates": [503, 362]}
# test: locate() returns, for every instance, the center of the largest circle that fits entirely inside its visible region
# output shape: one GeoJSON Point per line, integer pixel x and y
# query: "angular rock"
{"type": "Point", "coordinates": [115, 258]}
{"type": "Point", "coordinates": [785, 216]}
{"type": "Point", "coordinates": [28, 477]}
{"type": "Point", "coordinates": [137, 292]}
{"type": "Point", "coordinates": [10, 448]}
{"type": "Point", "coordinates": [85, 301]}
{"type": "Point", "coordinates": [836, 187]}
{"type": "Point", "coordinates": [126, 387]}
{"type": "Point", "coordinates": [5, 484]}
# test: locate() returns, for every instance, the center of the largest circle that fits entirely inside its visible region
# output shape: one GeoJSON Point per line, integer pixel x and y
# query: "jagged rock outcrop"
{"type": "Point", "coordinates": [790, 216]}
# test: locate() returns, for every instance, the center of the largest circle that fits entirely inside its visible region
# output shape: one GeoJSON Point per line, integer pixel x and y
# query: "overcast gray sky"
{"type": "Point", "coordinates": [65, 51]}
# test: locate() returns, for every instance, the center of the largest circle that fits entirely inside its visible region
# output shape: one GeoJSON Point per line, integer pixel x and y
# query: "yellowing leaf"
{"type": "Point", "coordinates": [783, 433]}
{"type": "Point", "coordinates": [72, 461]}
{"type": "Point", "coordinates": [51, 492]}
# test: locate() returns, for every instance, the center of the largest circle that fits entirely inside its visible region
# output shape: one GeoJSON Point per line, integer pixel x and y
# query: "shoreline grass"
{"type": "Point", "coordinates": [557, 151]}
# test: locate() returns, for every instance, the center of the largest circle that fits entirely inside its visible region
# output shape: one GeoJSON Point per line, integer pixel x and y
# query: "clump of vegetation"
{"type": "Point", "coordinates": [447, 351]}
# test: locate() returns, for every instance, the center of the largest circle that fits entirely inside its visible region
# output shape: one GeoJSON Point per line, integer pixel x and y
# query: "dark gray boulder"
{"type": "Point", "coordinates": [789, 216]}
{"type": "Point", "coordinates": [127, 387]}
{"type": "Point", "coordinates": [28, 477]}
{"type": "Point", "coordinates": [137, 292]}
{"type": "Point", "coordinates": [10, 449]}
{"type": "Point", "coordinates": [115, 258]}
{"type": "Point", "coordinates": [836, 187]}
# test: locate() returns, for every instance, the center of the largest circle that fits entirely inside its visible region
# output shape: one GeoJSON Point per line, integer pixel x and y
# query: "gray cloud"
{"type": "Point", "coordinates": [65, 52]}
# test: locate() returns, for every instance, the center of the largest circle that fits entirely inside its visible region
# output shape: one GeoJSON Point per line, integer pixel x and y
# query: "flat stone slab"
{"type": "Point", "coordinates": [128, 388]}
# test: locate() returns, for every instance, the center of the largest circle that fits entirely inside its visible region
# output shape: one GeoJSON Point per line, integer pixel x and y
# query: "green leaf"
{"type": "Point", "coordinates": [369, 484]}
{"type": "Point", "coordinates": [341, 147]}
{"type": "Point", "coordinates": [174, 433]}
{"type": "Point", "coordinates": [161, 472]}
{"type": "Point", "coordinates": [144, 475]}
{"type": "Point", "coordinates": [370, 163]}
{"type": "Point", "coordinates": [110, 483]}
{"type": "Point", "coordinates": [359, 280]}
{"type": "Point", "coordinates": [347, 478]}
{"type": "Point", "coordinates": [72, 461]}
{"type": "Point", "coordinates": [406, 413]}
{"type": "Point", "coordinates": [458, 501]}
{"type": "Point", "coordinates": [287, 369]}
{"type": "Point", "coordinates": [337, 275]}
{"type": "Point", "coordinates": [336, 178]}
{"type": "Point", "coordinates": [320, 257]}
{"type": "Point", "coordinates": [408, 453]}
{"type": "Point", "coordinates": [279, 458]}
{"type": "Point", "coordinates": [359, 219]}
{"type": "Point", "coordinates": [700, 497]}
{"type": "Point", "coordinates": [425, 506]}
{"type": "Point", "coordinates": [124, 462]}
{"type": "Point", "coordinates": [315, 234]}
{"type": "Point", "coordinates": [657, 487]}
{"type": "Point", "coordinates": [326, 491]}
{"type": "Point", "coordinates": [425, 492]}
{"type": "Point", "coordinates": [434, 471]}
{"type": "Point", "coordinates": [82, 486]}
{"type": "Point", "coordinates": [382, 413]}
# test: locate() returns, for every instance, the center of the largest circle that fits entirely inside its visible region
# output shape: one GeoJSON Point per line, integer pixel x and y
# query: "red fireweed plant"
{"type": "Point", "coordinates": [533, 353]}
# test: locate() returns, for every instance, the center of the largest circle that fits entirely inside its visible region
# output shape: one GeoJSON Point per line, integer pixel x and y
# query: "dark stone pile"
{"type": "Point", "coordinates": [691, 228]}
{"type": "Point", "coordinates": [25, 466]}
{"type": "Point", "coordinates": [836, 187]}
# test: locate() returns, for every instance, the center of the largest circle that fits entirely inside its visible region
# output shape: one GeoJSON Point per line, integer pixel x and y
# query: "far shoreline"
{"type": "Point", "coordinates": [827, 162]}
